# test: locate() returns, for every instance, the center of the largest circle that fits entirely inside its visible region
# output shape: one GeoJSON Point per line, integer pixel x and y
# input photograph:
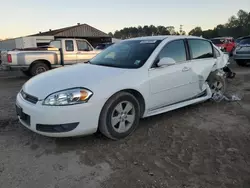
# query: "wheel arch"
{"type": "Point", "coordinates": [139, 97]}
{"type": "Point", "coordinates": [41, 61]}
{"type": "Point", "coordinates": [136, 94]}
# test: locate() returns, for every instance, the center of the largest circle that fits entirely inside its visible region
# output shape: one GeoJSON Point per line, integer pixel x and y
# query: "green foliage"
{"type": "Point", "coordinates": [236, 26]}
{"type": "Point", "coordinates": [196, 32]}
{"type": "Point", "coordinates": [130, 32]}
{"type": "Point", "coordinates": [110, 34]}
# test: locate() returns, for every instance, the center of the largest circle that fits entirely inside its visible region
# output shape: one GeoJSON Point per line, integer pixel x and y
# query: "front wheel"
{"type": "Point", "coordinates": [120, 116]}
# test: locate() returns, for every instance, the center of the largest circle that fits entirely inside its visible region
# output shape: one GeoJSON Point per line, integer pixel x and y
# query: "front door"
{"type": "Point", "coordinates": [69, 55]}
{"type": "Point", "coordinates": [172, 84]}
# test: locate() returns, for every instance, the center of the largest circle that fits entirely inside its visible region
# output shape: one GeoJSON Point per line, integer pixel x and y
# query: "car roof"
{"type": "Point", "coordinates": [222, 38]}
{"type": "Point", "coordinates": [246, 37]}
{"type": "Point", "coordinates": [162, 37]}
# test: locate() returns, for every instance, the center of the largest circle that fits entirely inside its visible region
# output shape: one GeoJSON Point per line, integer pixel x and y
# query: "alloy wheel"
{"type": "Point", "coordinates": [123, 116]}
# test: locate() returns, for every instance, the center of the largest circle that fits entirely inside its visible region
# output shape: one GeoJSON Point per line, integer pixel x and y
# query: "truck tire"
{"type": "Point", "coordinates": [26, 72]}
{"type": "Point", "coordinates": [38, 68]}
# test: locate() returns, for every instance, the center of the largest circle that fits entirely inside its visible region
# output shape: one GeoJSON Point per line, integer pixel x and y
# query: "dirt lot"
{"type": "Point", "coordinates": [201, 146]}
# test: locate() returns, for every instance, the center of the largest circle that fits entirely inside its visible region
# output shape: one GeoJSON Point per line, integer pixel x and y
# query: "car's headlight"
{"type": "Point", "coordinates": [68, 97]}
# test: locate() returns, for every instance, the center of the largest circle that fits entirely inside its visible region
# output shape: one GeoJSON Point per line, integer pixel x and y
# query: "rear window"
{"type": "Point", "coordinates": [245, 41]}
{"type": "Point", "coordinates": [56, 44]}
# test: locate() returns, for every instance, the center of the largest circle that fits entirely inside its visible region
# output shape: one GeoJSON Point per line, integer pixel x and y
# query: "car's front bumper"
{"type": "Point", "coordinates": [84, 117]}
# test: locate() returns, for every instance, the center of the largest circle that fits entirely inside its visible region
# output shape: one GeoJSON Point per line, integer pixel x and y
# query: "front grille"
{"type": "Point", "coordinates": [60, 128]}
{"type": "Point", "coordinates": [29, 98]}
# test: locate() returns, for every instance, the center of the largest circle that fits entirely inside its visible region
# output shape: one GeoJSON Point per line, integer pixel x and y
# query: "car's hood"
{"type": "Point", "coordinates": [80, 75]}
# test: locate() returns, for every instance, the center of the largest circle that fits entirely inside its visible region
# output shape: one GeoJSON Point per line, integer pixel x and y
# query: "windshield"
{"type": "Point", "coordinates": [55, 44]}
{"type": "Point", "coordinates": [218, 41]}
{"type": "Point", "coordinates": [127, 54]}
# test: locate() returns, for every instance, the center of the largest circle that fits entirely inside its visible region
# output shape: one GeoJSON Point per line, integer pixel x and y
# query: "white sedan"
{"type": "Point", "coordinates": [133, 79]}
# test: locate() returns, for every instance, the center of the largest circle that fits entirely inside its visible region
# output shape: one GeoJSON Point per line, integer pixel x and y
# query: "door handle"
{"type": "Point", "coordinates": [185, 69]}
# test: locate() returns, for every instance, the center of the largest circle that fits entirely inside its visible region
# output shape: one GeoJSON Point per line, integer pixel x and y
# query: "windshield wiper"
{"type": "Point", "coordinates": [106, 65]}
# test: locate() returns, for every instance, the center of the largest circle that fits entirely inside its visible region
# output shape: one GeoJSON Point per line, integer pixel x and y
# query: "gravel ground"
{"type": "Point", "coordinates": [200, 146]}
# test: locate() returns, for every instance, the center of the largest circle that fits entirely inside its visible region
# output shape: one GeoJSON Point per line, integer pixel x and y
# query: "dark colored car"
{"type": "Point", "coordinates": [224, 43]}
{"type": "Point", "coordinates": [237, 41]}
{"type": "Point", "coordinates": [103, 46]}
{"type": "Point", "coordinates": [242, 52]}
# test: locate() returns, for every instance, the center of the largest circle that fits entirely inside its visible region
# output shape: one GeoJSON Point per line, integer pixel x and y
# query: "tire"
{"type": "Point", "coordinates": [38, 68]}
{"type": "Point", "coordinates": [125, 124]}
{"type": "Point", "coordinates": [26, 73]}
{"type": "Point", "coordinates": [241, 63]}
{"type": "Point", "coordinates": [218, 86]}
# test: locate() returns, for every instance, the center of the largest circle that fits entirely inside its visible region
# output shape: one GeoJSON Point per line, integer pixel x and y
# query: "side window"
{"type": "Point", "coordinates": [56, 44]}
{"type": "Point", "coordinates": [217, 53]}
{"type": "Point", "coordinates": [200, 49]}
{"type": "Point", "coordinates": [175, 50]}
{"type": "Point", "coordinates": [83, 46]}
{"type": "Point", "coordinates": [69, 45]}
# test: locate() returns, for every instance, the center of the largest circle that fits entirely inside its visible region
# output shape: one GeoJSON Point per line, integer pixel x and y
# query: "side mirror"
{"type": "Point", "coordinates": [166, 61]}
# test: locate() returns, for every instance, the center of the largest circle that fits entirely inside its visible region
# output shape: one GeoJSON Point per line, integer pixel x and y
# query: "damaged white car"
{"type": "Point", "coordinates": [133, 79]}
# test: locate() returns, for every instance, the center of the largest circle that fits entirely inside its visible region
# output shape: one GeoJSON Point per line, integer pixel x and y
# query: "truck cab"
{"type": "Point", "coordinates": [60, 52]}
{"type": "Point", "coordinates": [74, 50]}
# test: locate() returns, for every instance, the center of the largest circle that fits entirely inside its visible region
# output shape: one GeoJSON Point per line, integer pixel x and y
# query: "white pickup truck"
{"type": "Point", "coordinates": [60, 52]}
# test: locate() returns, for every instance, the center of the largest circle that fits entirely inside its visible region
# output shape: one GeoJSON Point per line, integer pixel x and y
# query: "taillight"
{"type": "Point", "coordinates": [9, 58]}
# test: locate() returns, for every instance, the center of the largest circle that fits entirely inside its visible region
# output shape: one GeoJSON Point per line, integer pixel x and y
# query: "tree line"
{"type": "Point", "coordinates": [130, 32]}
{"type": "Point", "coordinates": [236, 26]}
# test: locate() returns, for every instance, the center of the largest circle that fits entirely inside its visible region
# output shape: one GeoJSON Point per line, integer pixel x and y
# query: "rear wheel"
{"type": "Point", "coordinates": [120, 116]}
{"type": "Point", "coordinates": [38, 68]}
{"type": "Point", "coordinates": [217, 84]}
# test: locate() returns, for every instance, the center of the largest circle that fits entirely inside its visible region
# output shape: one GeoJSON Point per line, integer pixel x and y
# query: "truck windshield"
{"type": "Point", "coordinates": [128, 54]}
{"type": "Point", "coordinates": [55, 44]}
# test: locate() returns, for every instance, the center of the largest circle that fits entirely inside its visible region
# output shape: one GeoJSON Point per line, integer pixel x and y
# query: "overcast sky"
{"type": "Point", "coordinates": [23, 17]}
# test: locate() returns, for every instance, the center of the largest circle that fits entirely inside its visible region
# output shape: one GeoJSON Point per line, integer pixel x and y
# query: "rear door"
{"type": "Point", "coordinates": [85, 51]}
{"type": "Point", "coordinates": [69, 55]}
{"type": "Point", "coordinates": [202, 60]}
